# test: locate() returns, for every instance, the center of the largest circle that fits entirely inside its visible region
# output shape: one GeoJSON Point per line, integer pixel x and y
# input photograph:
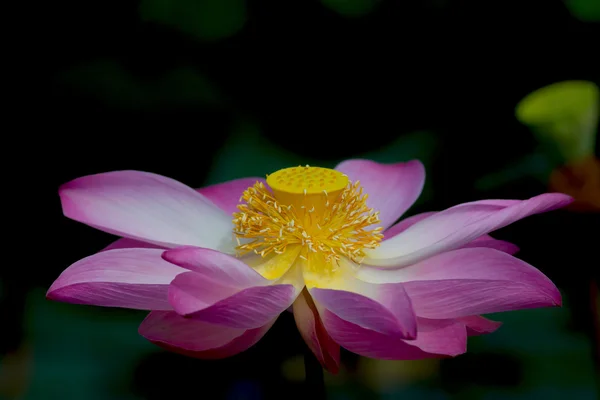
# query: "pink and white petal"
{"type": "Point", "coordinates": [195, 296]}
{"type": "Point", "coordinates": [125, 243]}
{"type": "Point", "coordinates": [472, 281]}
{"type": "Point", "coordinates": [448, 340]}
{"type": "Point", "coordinates": [478, 325]}
{"type": "Point", "coordinates": [392, 188]}
{"type": "Point", "coordinates": [457, 226]}
{"type": "Point", "coordinates": [128, 278]}
{"type": "Point", "coordinates": [404, 224]}
{"type": "Point", "coordinates": [384, 308]}
{"type": "Point", "coordinates": [482, 241]}
{"type": "Point", "coordinates": [216, 266]}
{"type": "Point", "coordinates": [198, 339]}
{"type": "Point", "coordinates": [314, 334]}
{"type": "Point", "coordinates": [227, 195]}
{"type": "Point", "coordinates": [147, 207]}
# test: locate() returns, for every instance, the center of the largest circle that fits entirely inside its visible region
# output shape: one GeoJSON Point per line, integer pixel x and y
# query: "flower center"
{"type": "Point", "coordinates": [317, 211]}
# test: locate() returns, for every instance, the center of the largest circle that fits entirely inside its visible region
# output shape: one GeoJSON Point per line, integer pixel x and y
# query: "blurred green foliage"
{"type": "Point", "coordinates": [202, 19]}
{"type": "Point", "coordinates": [110, 82]}
{"type": "Point", "coordinates": [96, 347]}
{"type": "Point", "coordinates": [585, 10]}
{"type": "Point", "coordinates": [564, 118]}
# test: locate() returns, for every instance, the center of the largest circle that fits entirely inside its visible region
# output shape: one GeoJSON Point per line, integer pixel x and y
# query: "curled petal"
{"type": "Point", "coordinates": [129, 278]}
{"type": "Point", "coordinates": [147, 207]}
{"type": "Point", "coordinates": [457, 226]}
{"type": "Point", "coordinates": [384, 308]}
{"type": "Point", "coordinates": [434, 339]}
{"type": "Point", "coordinates": [470, 281]}
{"type": "Point", "coordinates": [314, 334]}
{"type": "Point", "coordinates": [392, 188]}
{"type": "Point", "coordinates": [227, 195]}
{"type": "Point", "coordinates": [195, 296]}
{"type": "Point", "coordinates": [196, 338]}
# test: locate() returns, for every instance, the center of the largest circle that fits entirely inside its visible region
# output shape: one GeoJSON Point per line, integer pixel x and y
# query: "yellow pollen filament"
{"type": "Point", "coordinates": [316, 210]}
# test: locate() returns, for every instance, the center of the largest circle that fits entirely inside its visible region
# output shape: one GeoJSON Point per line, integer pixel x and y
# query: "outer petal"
{"type": "Point", "coordinates": [195, 296]}
{"type": "Point", "coordinates": [478, 325]}
{"type": "Point", "coordinates": [434, 339]}
{"type": "Point", "coordinates": [392, 188]}
{"type": "Point", "coordinates": [196, 338]}
{"type": "Point", "coordinates": [146, 207]}
{"type": "Point", "coordinates": [129, 278]}
{"type": "Point", "coordinates": [314, 334]}
{"type": "Point", "coordinates": [384, 308]}
{"type": "Point", "coordinates": [457, 226]}
{"type": "Point", "coordinates": [227, 195]}
{"type": "Point", "coordinates": [467, 282]}
{"type": "Point", "coordinates": [482, 241]}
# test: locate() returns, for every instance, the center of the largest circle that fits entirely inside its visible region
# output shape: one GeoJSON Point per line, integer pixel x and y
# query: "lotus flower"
{"type": "Point", "coordinates": [308, 240]}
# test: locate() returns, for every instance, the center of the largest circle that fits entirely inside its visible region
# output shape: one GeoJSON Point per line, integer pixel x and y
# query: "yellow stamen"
{"type": "Point", "coordinates": [316, 209]}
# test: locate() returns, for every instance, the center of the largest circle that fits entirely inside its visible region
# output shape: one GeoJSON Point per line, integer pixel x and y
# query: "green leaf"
{"type": "Point", "coordinates": [351, 8]}
{"type": "Point", "coordinates": [564, 117]}
{"type": "Point", "coordinates": [203, 19]}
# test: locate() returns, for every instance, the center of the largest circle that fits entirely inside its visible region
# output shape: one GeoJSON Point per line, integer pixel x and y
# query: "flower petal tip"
{"type": "Point", "coordinates": [562, 200]}
{"type": "Point", "coordinates": [50, 295]}
{"type": "Point", "coordinates": [557, 300]}
{"type": "Point", "coordinates": [56, 292]}
{"type": "Point", "coordinates": [64, 295]}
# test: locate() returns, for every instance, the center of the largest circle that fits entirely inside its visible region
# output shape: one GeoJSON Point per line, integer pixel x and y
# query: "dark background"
{"type": "Point", "coordinates": [205, 91]}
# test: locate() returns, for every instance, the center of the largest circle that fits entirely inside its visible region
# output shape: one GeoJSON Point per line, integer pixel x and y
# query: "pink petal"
{"type": "Point", "coordinates": [384, 308]}
{"type": "Point", "coordinates": [482, 241]}
{"type": "Point", "coordinates": [491, 243]}
{"type": "Point", "coordinates": [129, 278]}
{"type": "Point", "coordinates": [467, 282]}
{"type": "Point", "coordinates": [215, 266]}
{"type": "Point", "coordinates": [146, 207]}
{"type": "Point", "coordinates": [442, 339]}
{"type": "Point", "coordinates": [125, 243]}
{"type": "Point", "coordinates": [314, 334]}
{"type": "Point", "coordinates": [227, 195]}
{"type": "Point", "coordinates": [478, 325]}
{"type": "Point", "coordinates": [457, 226]}
{"type": "Point", "coordinates": [405, 224]}
{"type": "Point", "coordinates": [392, 188]}
{"type": "Point", "coordinates": [170, 328]}
{"type": "Point", "coordinates": [196, 338]}
{"type": "Point", "coordinates": [196, 296]}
